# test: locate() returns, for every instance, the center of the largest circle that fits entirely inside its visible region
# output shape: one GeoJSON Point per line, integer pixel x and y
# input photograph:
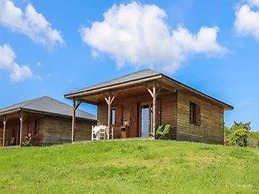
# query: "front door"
{"type": "Point", "coordinates": [146, 120]}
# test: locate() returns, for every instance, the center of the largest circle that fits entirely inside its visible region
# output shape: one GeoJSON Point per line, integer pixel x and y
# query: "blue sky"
{"type": "Point", "coordinates": [52, 48]}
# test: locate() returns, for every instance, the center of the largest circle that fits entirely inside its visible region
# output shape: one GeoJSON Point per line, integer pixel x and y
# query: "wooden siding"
{"type": "Point", "coordinates": [29, 127]}
{"type": "Point", "coordinates": [58, 130]}
{"type": "Point", "coordinates": [167, 111]}
{"type": "Point", "coordinates": [128, 110]}
{"type": "Point", "coordinates": [12, 130]}
{"type": "Point", "coordinates": [102, 114]}
{"type": "Point", "coordinates": [1, 136]}
{"type": "Point", "coordinates": [210, 129]}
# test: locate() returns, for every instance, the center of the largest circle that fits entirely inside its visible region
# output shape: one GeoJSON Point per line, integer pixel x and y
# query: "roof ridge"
{"type": "Point", "coordinates": [23, 103]}
{"type": "Point", "coordinates": [32, 101]}
{"type": "Point", "coordinates": [129, 74]}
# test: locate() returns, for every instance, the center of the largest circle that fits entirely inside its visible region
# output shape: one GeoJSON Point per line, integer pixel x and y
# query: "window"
{"type": "Point", "coordinates": [36, 127]}
{"type": "Point", "coordinates": [113, 116]}
{"type": "Point", "coordinates": [195, 114]}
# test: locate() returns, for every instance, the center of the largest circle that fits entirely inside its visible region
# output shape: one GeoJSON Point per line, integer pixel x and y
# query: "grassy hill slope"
{"type": "Point", "coordinates": [137, 166]}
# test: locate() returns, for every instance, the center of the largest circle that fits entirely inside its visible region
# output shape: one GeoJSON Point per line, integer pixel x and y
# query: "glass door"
{"type": "Point", "coordinates": [146, 120]}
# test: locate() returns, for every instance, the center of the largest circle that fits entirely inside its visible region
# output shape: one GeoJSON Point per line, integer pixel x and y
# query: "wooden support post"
{"type": "Point", "coordinates": [154, 110]}
{"type": "Point", "coordinates": [75, 107]}
{"type": "Point", "coordinates": [4, 129]}
{"type": "Point", "coordinates": [154, 93]}
{"type": "Point", "coordinates": [21, 129]}
{"type": "Point", "coordinates": [109, 101]}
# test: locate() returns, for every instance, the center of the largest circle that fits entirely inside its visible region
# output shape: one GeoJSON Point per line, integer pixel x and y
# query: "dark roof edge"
{"type": "Point", "coordinates": [10, 111]}
{"type": "Point", "coordinates": [158, 75]}
{"type": "Point", "coordinates": [73, 94]}
{"type": "Point", "coordinates": [42, 112]}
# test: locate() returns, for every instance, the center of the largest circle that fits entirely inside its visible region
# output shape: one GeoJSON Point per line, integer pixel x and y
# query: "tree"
{"type": "Point", "coordinates": [238, 134]}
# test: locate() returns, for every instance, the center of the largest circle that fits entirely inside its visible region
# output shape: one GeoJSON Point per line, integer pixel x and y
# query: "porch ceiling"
{"type": "Point", "coordinates": [123, 93]}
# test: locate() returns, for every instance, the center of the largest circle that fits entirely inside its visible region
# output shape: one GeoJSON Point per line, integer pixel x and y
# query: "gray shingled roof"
{"type": "Point", "coordinates": [47, 105]}
{"type": "Point", "coordinates": [127, 78]}
{"type": "Point", "coordinates": [140, 75]}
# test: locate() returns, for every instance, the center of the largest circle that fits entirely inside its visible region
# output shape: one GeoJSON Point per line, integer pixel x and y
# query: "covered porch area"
{"type": "Point", "coordinates": [132, 109]}
{"type": "Point", "coordinates": [18, 127]}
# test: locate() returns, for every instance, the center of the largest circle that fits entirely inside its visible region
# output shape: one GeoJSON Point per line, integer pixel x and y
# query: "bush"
{"type": "Point", "coordinates": [240, 137]}
{"type": "Point", "coordinates": [163, 132]}
{"type": "Point", "coordinates": [238, 134]}
{"type": "Point", "coordinates": [253, 140]}
{"type": "Point", "coordinates": [27, 141]}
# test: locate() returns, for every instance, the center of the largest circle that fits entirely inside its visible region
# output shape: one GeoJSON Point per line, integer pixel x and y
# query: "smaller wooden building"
{"type": "Point", "coordinates": [46, 120]}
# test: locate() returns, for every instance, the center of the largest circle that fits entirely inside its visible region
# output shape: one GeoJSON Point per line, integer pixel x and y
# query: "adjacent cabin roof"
{"type": "Point", "coordinates": [46, 105]}
{"type": "Point", "coordinates": [140, 77]}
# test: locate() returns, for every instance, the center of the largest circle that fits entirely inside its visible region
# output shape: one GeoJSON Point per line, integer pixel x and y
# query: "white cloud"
{"type": "Point", "coordinates": [138, 35]}
{"type": "Point", "coordinates": [254, 3]}
{"type": "Point", "coordinates": [247, 20]}
{"type": "Point", "coordinates": [7, 61]}
{"type": "Point", "coordinates": [30, 23]}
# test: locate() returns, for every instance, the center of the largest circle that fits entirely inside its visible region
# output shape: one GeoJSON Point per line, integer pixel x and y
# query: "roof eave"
{"type": "Point", "coordinates": [40, 112]}
{"type": "Point", "coordinates": [11, 111]}
{"type": "Point", "coordinates": [111, 87]}
{"type": "Point", "coordinates": [55, 114]}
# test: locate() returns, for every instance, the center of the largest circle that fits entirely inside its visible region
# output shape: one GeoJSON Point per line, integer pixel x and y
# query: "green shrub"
{"type": "Point", "coordinates": [240, 137]}
{"type": "Point", "coordinates": [163, 131]}
{"type": "Point", "coordinates": [253, 140]}
{"type": "Point", "coordinates": [237, 134]}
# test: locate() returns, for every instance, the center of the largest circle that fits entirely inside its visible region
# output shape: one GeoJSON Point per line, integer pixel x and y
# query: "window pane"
{"type": "Point", "coordinates": [113, 116]}
{"type": "Point", "coordinates": [195, 114]}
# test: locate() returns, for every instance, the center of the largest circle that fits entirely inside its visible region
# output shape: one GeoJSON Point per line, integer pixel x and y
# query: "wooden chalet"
{"type": "Point", "coordinates": [142, 101]}
{"type": "Point", "coordinates": [44, 120]}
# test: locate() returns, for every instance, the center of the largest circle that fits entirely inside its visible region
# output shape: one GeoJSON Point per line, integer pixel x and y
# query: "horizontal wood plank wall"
{"type": "Point", "coordinates": [129, 113]}
{"type": "Point", "coordinates": [168, 111]}
{"type": "Point", "coordinates": [211, 128]}
{"type": "Point", "coordinates": [102, 115]}
{"type": "Point", "coordinates": [127, 110]}
{"type": "Point", "coordinates": [11, 127]}
{"type": "Point", "coordinates": [29, 127]}
{"type": "Point", "coordinates": [38, 139]}
{"type": "Point", "coordinates": [133, 113]}
{"type": "Point", "coordinates": [118, 121]}
{"type": "Point", "coordinates": [58, 130]}
{"type": "Point", "coordinates": [1, 137]}
{"type": "Point", "coordinates": [83, 130]}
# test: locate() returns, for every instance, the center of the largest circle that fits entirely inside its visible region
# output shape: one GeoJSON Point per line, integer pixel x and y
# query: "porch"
{"type": "Point", "coordinates": [134, 110]}
{"type": "Point", "coordinates": [17, 128]}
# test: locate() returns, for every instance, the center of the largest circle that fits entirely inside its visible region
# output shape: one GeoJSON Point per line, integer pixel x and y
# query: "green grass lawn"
{"type": "Point", "coordinates": [137, 166]}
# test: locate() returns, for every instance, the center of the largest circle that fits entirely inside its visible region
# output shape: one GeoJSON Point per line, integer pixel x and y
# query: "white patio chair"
{"type": "Point", "coordinates": [95, 133]}
{"type": "Point", "coordinates": [102, 133]}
